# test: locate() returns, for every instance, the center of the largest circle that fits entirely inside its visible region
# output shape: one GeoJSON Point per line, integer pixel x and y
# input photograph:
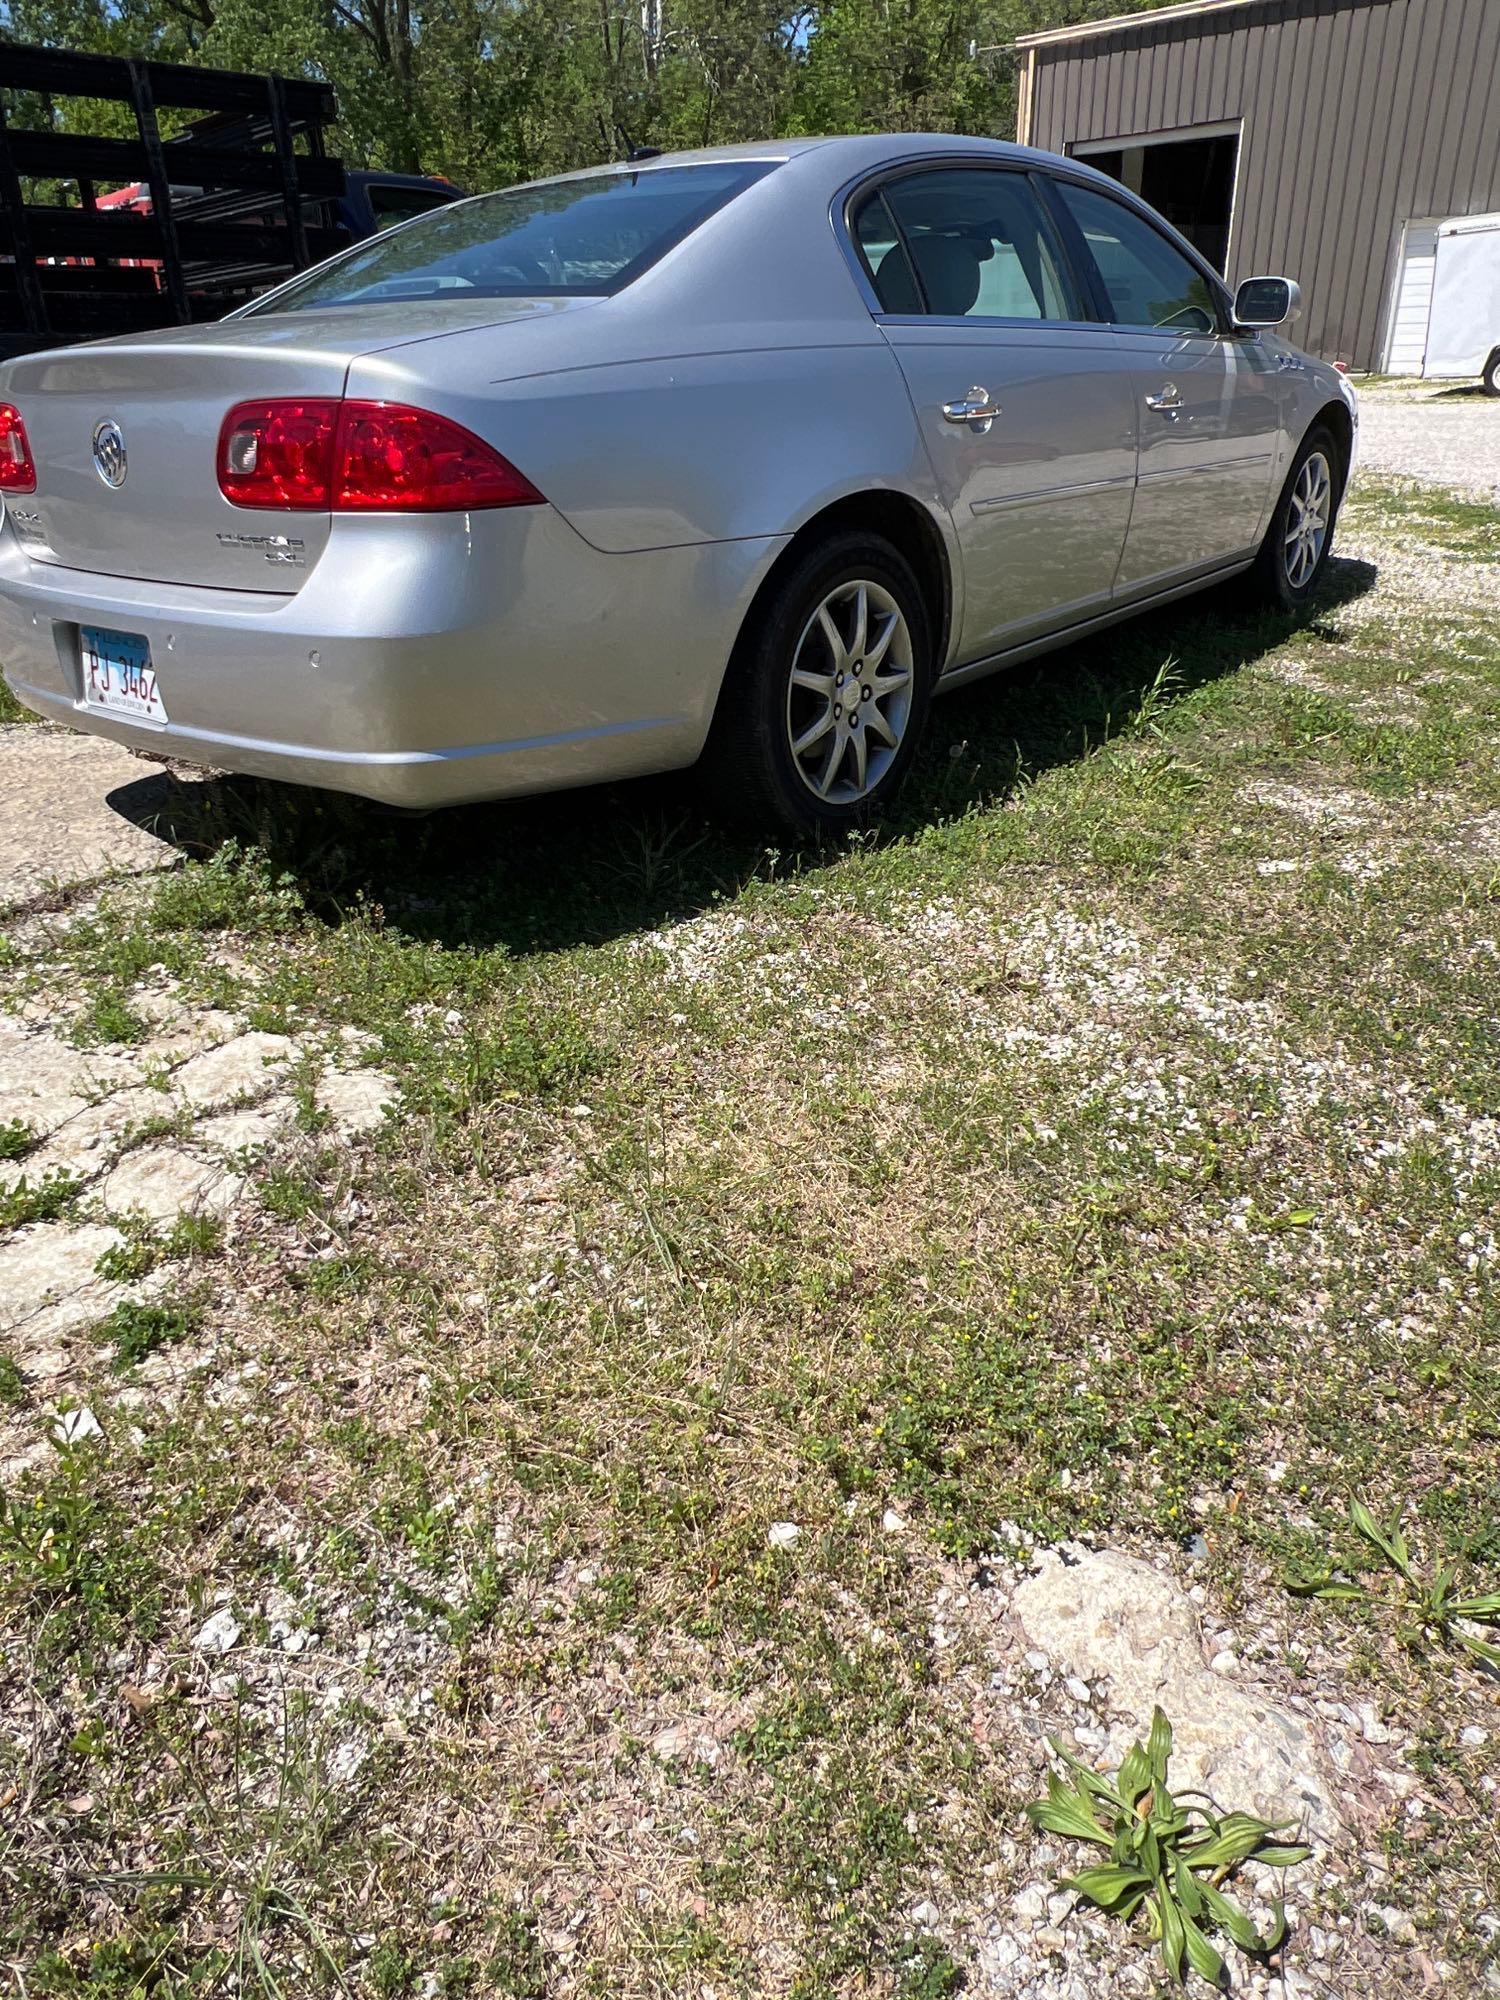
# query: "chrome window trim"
{"type": "Point", "coordinates": [873, 180]}
{"type": "Point", "coordinates": [1116, 191]}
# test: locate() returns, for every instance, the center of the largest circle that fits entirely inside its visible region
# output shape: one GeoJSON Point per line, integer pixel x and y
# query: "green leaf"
{"type": "Point", "coordinates": [1486, 1609]}
{"type": "Point", "coordinates": [1281, 1856]}
{"type": "Point", "coordinates": [1108, 1886]}
{"type": "Point", "coordinates": [1277, 1934]}
{"type": "Point", "coordinates": [1087, 1776]}
{"type": "Point", "coordinates": [1480, 1648]}
{"type": "Point", "coordinates": [1067, 1812]}
{"type": "Point", "coordinates": [1337, 1590]}
{"type": "Point", "coordinates": [1201, 1954]}
{"type": "Point", "coordinates": [1159, 1746]}
{"type": "Point", "coordinates": [1173, 1937]}
{"type": "Point", "coordinates": [1238, 1836]}
{"type": "Point", "coordinates": [1188, 1892]}
{"type": "Point", "coordinates": [1135, 1775]}
{"type": "Point", "coordinates": [1390, 1541]}
{"type": "Point", "coordinates": [1230, 1918]}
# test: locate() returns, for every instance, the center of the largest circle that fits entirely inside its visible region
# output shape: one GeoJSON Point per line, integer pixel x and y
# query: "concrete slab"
{"type": "Point", "coordinates": [57, 826]}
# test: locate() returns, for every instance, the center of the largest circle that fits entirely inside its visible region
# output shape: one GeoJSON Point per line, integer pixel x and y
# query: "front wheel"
{"type": "Point", "coordinates": [1491, 376]}
{"type": "Point", "coordinates": [1296, 546]}
{"type": "Point", "coordinates": [827, 694]}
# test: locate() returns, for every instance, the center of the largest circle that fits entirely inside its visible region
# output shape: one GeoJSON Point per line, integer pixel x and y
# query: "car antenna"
{"type": "Point", "coordinates": [644, 153]}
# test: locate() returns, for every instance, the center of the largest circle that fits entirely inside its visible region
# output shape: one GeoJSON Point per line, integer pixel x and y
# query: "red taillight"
{"type": "Point", "coordinates": [278, 454]}
{"type": "Point", "coordinates": [355, 457]}
{"type": "Point", "coordinates": [17, 471]}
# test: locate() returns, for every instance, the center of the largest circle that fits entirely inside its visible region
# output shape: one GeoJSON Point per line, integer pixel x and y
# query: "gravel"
{"type": "Point", "coordinates": [1442, 431]}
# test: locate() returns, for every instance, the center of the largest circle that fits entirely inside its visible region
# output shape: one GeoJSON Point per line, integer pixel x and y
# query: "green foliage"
{"type": "Point", "coordinates": [493, 91]}
{"type": "Point", "coordinates": [70, 1544]}
{"type": "Point", "coordinates": [13, 1392]}
{"type": "Point", "coordinates": [107, 1017]}
{"type": "Point", "coordinates": [1432, 1607]}
{"type": "Point", "coordinates": [16, 1139]}
{"type": "Point", "coordinates": [138, 1330]}
{"type": "Point", "coordinates": [1167, 1859]}
{"type": "Point", "coordinates": [234, 889]}
{"type": "Point", "coordinates": [44, 1202]}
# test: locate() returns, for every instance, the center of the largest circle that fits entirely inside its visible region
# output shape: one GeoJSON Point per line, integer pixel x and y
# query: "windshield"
{"type": "Point", "coordinates": [594, 234]}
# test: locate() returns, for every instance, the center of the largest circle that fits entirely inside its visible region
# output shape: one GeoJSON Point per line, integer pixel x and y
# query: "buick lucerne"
{"type": "Point", "coordinates": [735, 456]}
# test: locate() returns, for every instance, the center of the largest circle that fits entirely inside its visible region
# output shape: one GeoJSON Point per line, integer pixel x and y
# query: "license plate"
{"type": "Point", "coordinates": [118, 675]}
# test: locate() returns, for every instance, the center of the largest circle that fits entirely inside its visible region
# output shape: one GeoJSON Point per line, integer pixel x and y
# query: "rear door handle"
{"type": "Point", "coordinates": [975, 408]}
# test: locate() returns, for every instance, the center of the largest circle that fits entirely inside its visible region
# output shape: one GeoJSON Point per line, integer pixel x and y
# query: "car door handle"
{"type": "Point", "coordinates": [975, 408]}
{"type": "Point", "coordinates": [1167, 404]}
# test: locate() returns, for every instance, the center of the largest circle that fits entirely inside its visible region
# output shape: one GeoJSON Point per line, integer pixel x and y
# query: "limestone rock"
{"type": "Point", "coordinates": [238, 1069]}
{"type": "Point", "coordinates": [355, 1100]}
{"type": "Point", "coordinates": [1102, 1613]}
{"type": "Point", "coordinates": [44, 1082]}
{"type": "Point", "coordinates": [165, 1181]}
{"type": "Point", "coordinates": [69, 806]}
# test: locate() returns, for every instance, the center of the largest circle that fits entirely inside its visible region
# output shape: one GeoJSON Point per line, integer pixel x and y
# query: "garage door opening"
{"type": "Point", "coordinates": [1188, 178]}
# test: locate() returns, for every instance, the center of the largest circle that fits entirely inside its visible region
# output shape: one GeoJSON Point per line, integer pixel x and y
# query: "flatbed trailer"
{"type": "Point", "coordinates": [242, 197]}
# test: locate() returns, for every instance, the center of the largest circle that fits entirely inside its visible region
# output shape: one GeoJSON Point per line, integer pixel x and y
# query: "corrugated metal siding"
{"type": "Point", "coordinates": [1358, 115]}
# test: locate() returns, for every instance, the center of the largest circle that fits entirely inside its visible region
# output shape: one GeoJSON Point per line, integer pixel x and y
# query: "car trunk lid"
{"type": "Point", "coordinates": [162, 399]}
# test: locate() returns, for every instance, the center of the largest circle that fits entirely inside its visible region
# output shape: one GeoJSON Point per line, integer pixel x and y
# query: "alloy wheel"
{"type": "Point", "coordinates": [1307, 520]}
{"type": "Point", "coordinates": [849, 694]}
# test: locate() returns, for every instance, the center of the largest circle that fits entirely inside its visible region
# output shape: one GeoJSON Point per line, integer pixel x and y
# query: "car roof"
{"type": "Point", "coordinates": [847, 153]}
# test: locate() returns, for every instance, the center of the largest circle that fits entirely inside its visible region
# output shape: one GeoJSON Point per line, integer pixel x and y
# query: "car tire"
{"type": "Point", "coordinates": [1295, 550]}
{"type": "Point", "coordinates": [827, 693]}
{"type": "Point", "coordinates": [1491, 377]}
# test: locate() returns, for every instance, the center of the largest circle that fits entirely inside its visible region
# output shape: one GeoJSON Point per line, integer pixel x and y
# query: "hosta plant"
{"type": "Point", "coordinates": [1170, 1854]}
{"type": "Point", "coordinates": [1433, 1608]}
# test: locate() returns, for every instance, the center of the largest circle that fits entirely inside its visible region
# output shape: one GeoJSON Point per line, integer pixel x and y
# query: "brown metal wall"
{"type": "Point", "coordinates": [1359, 115]}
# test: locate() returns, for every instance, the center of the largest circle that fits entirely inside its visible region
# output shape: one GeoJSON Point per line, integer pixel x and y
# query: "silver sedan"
{"type": "Point", "coordinates": [734, 457]}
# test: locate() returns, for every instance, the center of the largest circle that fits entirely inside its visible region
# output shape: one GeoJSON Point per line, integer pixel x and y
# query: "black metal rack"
{"type": "Point", "coordinates": [234, 205]}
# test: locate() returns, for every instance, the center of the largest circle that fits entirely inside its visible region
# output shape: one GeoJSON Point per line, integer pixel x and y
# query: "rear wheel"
{"type": "Point", "coordinates": [827, 694]}
{"type": "Point", "coordinates": [1491, 376]}
{"type": "Point", "coordinates": [1297, 542]}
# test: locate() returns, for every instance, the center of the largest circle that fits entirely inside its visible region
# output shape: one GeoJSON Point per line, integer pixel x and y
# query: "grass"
{"type": "Point", "coordinates": [1106, 1148]}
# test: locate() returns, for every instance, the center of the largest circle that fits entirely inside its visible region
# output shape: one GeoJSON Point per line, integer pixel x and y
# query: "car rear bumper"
{"type": "Point", "coordinates": [423, 661]}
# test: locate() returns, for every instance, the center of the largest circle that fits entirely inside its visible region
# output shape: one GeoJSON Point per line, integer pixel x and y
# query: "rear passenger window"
{"type": "Point", "coordinates": [885, 258]}
{"type": "Point", "coordinates": [965, 243]}
{"type": "Point", "coordinates": [1149, 282]}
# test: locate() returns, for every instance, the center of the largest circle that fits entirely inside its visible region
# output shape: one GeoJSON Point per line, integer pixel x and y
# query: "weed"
{"type": "Point", "coordinates": [13, 1391]}
{"type": "Point", "coordinates": [137, 1330]}
{"type": "Point", "coordinates": [46, 1201]}
{"type": "Point", "coordinates": [1166, 1857]}
{"type": "Point", "coordinates": [234, 889]}
{"type": "Point", "coordinates": [69, 1542]}
{"type": "Point", "coordinates": [107, 1017]}
{"type": "Point", "coordinates": [1431, 1607]}
{"type": "Point", "coordinates": [194, 1236]}
{"type": "Point", "coordinates": [127, 1262]}
{"type": "Point", "coordinates": [16, 1139]}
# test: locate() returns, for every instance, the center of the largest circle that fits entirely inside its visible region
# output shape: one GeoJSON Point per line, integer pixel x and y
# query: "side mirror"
{"type": "Point", "coordinates": [1263, 302]}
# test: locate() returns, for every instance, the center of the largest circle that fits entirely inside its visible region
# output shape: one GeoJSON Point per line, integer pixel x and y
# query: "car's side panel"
{"type": "Point", "coordinates": [696, 448]}
{"type": "Point", "coordinates": [1209, 427]}
{"type": "Point", "coordinates": [1041, 494]}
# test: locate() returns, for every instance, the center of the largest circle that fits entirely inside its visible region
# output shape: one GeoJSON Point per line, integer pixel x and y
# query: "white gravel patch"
{"type": "Point", "coordinates": [1441, 431]}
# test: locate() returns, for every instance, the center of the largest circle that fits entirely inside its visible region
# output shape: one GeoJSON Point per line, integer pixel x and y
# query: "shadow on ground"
{"type": "Point", "coordinates": [582, 867]}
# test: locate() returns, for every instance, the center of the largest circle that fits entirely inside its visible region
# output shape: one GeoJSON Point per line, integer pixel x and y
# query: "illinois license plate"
{"type": "Point", "coordinates": [118, 675]}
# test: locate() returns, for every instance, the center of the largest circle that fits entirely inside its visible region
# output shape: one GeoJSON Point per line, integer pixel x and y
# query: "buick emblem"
{"type": "Point", "coordinates": [109, 453]}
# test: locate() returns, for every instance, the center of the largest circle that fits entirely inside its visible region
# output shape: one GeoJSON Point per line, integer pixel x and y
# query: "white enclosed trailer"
{"type": "Point", "coordinates": [1463, 332]}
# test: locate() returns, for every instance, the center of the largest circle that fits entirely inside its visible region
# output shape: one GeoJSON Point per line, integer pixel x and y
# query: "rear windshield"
{"type": "Point", "coordinates": [588, 235]}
